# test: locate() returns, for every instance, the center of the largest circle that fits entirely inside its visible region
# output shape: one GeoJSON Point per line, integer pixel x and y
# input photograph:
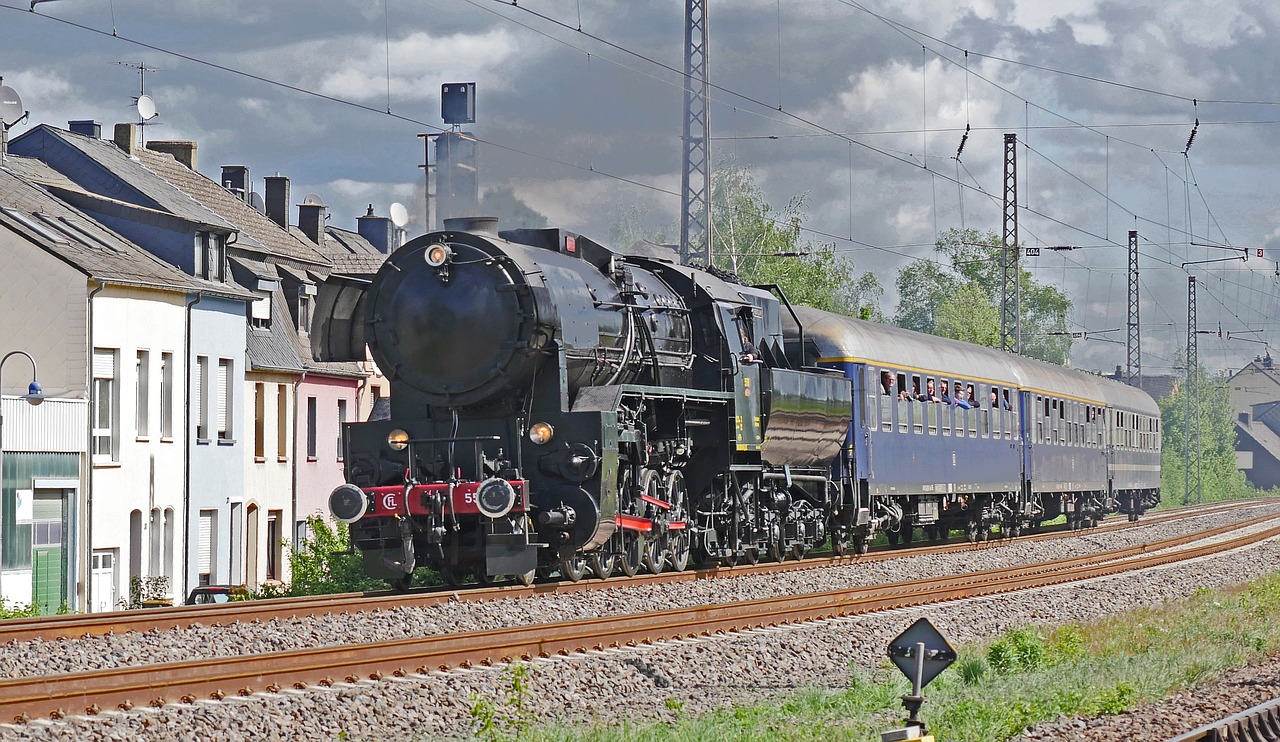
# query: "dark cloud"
{"type": "Point", "coordinates": [569, 105]}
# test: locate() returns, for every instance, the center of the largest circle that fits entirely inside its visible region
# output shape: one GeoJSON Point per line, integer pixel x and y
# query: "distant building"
{"type": "Point", "coordinates": [1256, 383]}
{"type": "Point", "coordinates": [1258, 444]}
{"type": "Point", "coordinates": [1159, 386]}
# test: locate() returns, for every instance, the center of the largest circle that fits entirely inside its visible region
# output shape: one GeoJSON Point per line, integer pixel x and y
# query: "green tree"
{"type": "Point", "coordinates": [323, 563]}
{"type": "Point", "coordinates": [763, 245]}
{"type": "Point", "coordinates": [512, 212]}
{"type": "Point", "coordinates": [970, 269]}
{"type": "Point", "coordinates": [967, 314]}
{"type": "Point", "coordinates": [1220, 478]}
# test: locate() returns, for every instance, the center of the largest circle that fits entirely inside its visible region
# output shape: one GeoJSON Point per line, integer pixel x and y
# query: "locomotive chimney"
{"type": "Point", "coordinates": [487, 225]}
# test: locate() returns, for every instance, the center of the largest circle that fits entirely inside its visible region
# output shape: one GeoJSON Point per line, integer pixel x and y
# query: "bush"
{"type": "Point", "coordinates": [324, 562]}
{"type": "Point", "coordinates": [1018, 650]}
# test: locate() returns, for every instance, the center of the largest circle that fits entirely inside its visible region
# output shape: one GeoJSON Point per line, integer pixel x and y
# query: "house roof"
{"type": "Point", "coordinates": [352, 255]}
{"type": "Point", "coordinates": [78, 240]}
{"type": "Point", "coordinates": [1260, 433]}
{"type": "Point", "coordinates": [123, 177]}
{"type": "Point", "coordinates": [256, 229]}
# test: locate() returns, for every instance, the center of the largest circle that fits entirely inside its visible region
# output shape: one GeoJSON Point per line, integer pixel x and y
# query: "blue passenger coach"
{"type": "Point", "coordinates": [949, 435]}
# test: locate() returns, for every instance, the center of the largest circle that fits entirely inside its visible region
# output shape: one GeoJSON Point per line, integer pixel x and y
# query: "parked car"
{"type": "Point", "coordinates": [213, 594]}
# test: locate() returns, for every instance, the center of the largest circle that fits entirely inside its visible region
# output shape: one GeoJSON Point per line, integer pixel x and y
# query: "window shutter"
{"type": "Point", "coordinates": [224, 389]}
{"type": "Point", "coordinates": [198, 396]}
{"type": "Point", "coordinates": [104, 364]}
{"type": "Point", "coordinates": [206, 538]}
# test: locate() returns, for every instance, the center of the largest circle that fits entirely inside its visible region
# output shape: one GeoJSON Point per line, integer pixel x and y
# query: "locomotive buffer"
{"type": "Point", "coordinates": [921, 653]}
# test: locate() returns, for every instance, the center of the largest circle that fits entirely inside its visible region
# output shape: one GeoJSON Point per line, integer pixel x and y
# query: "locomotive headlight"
{"type": "Point", "coordinates": [437, 255]}
{"type": "Point", "coordinates": [541, 433]}
{"type": "Point", "coordinates": [495, 497]}
{"type": "Point", "coordinates": [348, 503]}
{"type": "Point", "coordinates": [398, 440]}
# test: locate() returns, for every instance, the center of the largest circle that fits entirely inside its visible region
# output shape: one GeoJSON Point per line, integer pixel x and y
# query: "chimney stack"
{"type": "Point", "coordinates": [277, 199]}
{"type": "Point", "coordinates": [311, 217]}
{"type": "Point", "coordinates": [378, 230]}
{"type": "Point", "coordinates": [235, 178]}
{"type": "Point", "coordinates": [126, 137]}
{"type": "Point", "coordinates": [182, 151]}
{"type": "Point", "coordinates": [1244, 418]}
{"type": "Point", "coordinates": [87, 127]}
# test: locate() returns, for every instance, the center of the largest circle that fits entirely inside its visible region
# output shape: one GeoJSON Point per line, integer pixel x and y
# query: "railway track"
{"type": "Point", "coordinates": [118, 622]}
{"type": "Point", "coordinates": [59, 695]}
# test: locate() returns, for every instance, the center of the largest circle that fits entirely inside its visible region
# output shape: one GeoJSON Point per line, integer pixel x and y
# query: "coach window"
{"type": "Point", "coordinates": [917, 407]}
{"type": "Point", "coordinates": [946, 412]}
{"type": "Point", "coordinates": [888, 401]}
{"type": "Point", "coordinates": [902, 405]}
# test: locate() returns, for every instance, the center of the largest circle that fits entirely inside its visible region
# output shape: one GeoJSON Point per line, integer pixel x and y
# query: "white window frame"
{"type": "Point", "coordinates": [142, 389]}
{"type": "Point", "coordinates": [225, 423]}
{"type": "Point", "coordinates": [106, 406]}
{"type": "Point", "coordinates": [166, 395]}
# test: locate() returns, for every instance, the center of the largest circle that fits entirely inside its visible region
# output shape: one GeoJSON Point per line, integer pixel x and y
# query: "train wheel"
{"type": "Point", "coordinates": [401, 584]}
{"type": "Point", "coordinates": [797, 551]}
{"type": "Point", "coordinates": [572, 568]}
{"type": "Point", "coordinates": [839, 544]}
{"type": "Point", "coordinates": [861, 544]}
{"type": "Point", "coordinates": [655, 559]}
{"type": "Point", "coordinates": [484, 578]}
{"type": "Point", "coordinates": [678, 541]}
{"type": "Point", "coordinates": [526, 578]}
{"type": "Point", "coordinates": [893, 537]}
{"type": "Point", "coordinates": [775, 550]}
{"type": "Point", "coordinates": [601, 563]}
{"type": "Point", "coordinates": [631, 555]}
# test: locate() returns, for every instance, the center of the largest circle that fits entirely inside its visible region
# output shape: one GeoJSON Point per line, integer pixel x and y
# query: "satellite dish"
{"type": "Point", "coordinates": [146, 107]}
{"type": "Point", "coordinates": [312, 199]}
{"type": "Point", "coordinates": [10, 105]}
{"type": "Point", "coordinates": [255, 200]}
{"type": "Point", "coordinates": [399, 215]}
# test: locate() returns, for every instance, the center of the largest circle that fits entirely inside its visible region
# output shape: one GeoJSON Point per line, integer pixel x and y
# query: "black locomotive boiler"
{"type": "Point", "coordinates": [558, 406]}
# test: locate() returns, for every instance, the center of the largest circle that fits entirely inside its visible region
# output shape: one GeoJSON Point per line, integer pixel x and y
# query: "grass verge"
{"type": "Point", "coordinates": [998, 688]}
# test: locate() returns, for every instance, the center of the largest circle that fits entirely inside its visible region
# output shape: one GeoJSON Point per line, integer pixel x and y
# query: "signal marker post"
{"type": "Point", "coordinates": [921, 653]}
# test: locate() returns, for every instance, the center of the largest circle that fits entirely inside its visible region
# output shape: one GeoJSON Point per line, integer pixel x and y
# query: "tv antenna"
{"type": "Point", "coordinates": [11, 113]}
{"type": "Point", "coordinates": [144, 104]}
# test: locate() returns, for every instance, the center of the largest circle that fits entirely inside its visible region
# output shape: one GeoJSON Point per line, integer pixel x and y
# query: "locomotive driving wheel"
{"type": "Point", "coordinates": [573, 567]}
{"type": "Point", "coordinates": [656, 545]}
{"type": "Point", "coordinates": [678, 541]}
{"type": "Point", "coordinates": [401, 584]}
{"type": "Point", "coordinates": [602, 561]}
{"type": "Point", "coordinates": [631, 552]}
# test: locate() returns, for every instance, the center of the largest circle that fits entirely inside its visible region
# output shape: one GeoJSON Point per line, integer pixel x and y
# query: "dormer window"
{"type": "Point", "coordinates": [260, 312]}
{"type": "Point", "coordinates": [211, 256]}
{"type": "Point", "coordinates": [306, 294]}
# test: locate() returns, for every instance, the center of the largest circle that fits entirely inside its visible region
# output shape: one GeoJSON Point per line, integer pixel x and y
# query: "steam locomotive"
{"type": "Point", "coordinates": [560, 407]}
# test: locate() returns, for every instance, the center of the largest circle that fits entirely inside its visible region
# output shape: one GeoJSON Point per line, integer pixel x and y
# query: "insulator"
{"type": "Point", "coordinates": [1191, 138]}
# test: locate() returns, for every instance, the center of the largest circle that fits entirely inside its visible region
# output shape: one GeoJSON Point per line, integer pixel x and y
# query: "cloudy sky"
{"type": "Point", "coordinates": [860, 105]}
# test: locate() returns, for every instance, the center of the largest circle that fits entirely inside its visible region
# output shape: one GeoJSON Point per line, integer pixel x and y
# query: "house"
{"type": "Point", "coordinates": [206, 349]}
{"type": "Point", "coordinates": [108, 457]}
{"type": "Point", "coordinates": [1258, 444]}
{"type": "Point", "coordinates": [1256, 383]}
{"type": "Point", "coordinates": [293, 406]}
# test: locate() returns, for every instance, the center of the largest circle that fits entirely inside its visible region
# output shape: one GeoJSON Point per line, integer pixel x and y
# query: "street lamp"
{"type": "Point", "coordinates": [34, 396]}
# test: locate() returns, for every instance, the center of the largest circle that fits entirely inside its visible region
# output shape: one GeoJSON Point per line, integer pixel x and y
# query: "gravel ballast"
{"type": "Point", "coordinates": [642, 683]}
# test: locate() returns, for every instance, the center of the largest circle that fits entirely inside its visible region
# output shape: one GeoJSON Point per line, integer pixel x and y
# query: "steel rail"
{"type": "Point", "coordinates": [119, 622]}
{"type": "Point", "coordinates": [89, 692]}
